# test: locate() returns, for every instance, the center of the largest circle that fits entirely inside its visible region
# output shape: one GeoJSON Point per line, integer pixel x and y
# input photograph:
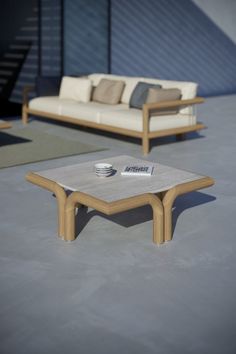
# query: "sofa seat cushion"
{"type": "Point", "coordinates": [48, 104]}
{"type": "Point", "coordinates": [132, 119]}
{"type": "Point", "coordinates": [84, 111]}
{"type": "Point", "coordinates": [90, 111]}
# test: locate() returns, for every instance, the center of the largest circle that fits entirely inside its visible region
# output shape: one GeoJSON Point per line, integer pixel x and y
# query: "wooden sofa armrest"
{"type": "Point", "coordinates": [170, 104]}
{"type": "Point", "coordinates": [26, 91]}
{"type": "Point", "coordinates": [148, 107]}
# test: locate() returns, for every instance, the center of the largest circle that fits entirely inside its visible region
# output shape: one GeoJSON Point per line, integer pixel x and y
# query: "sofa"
{"type": "Point", "coordinates": [80, 101]}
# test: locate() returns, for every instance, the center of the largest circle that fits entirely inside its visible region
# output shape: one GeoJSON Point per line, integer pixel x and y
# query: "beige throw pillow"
{"type": "Point", "coordinates": [156, 95]}
{"type": "Point", "coordinates": [108, 91]}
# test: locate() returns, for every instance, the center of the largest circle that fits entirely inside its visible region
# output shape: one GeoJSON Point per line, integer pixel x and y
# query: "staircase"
{"type": "Point", "coordinates": [19, 65]}
{"type": "Point", "coordinates": [10, 66]}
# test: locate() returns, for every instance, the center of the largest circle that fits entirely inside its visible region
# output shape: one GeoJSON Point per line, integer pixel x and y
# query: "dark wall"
{"type": "Point", "coordinates": [85, 36]}
{"type": "Point", "coordinates": [12, 17]}
{"type": "Point", "coordinates": [171, 39]}
{"type": "Point", "coordinates": [50, 39]}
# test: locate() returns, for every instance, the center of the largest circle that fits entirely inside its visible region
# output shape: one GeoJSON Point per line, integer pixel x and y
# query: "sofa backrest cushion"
{"type": "Point", "coordinates": [108, 91]}
{"type": "Point", "coordinates": [188, 89]}
{"type": "Point", "coordinates": [140, 93]}
{"type": "Point", "coordinates": [160, 95]}
{"type": "Point", "coordinates": [78, 89]}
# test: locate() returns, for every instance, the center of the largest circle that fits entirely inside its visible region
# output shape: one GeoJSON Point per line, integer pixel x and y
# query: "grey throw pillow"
{"type": "Point", "coordinates": [139, 95]}
{"type": "Point", "coordinates": [161, 95]}
{"type": "Point", "coordinates": [108, 91]}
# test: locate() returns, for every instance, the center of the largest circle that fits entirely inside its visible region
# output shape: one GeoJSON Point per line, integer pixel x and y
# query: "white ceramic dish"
{"type": "Point", "coordinates": [103, 166]}
{"type": "Point", "coordinates": [103, 174]}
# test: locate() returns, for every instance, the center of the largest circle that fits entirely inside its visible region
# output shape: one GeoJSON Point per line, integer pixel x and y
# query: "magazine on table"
{"type": "Point", "coordinates": [137, 170]}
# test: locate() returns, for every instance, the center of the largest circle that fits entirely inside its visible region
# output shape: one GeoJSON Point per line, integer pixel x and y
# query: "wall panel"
{"type": "Point", "coordinates": [85, 36]}
{"type": "Point", "coordinates": [171, 39]}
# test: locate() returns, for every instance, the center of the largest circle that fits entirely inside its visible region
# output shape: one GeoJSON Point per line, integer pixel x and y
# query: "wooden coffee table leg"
{"type": "Point", "coordinates": [173, 193]}
{"type": "Point", "coordinates": [79, 198]}
{"type": "Point", "coordinates": [61, 202]}
{"type": "Point", "coordinates": [71, 204]}
{"type": "Point", "coordinates": [168, 201]}
{"type": "Point", "coordinates": [158, 222]}
{"type": "Point", "coordinates": [60, 196]}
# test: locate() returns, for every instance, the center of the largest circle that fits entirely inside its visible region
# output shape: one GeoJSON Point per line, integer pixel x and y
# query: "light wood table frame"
{"type": "Point", "coordinates": [67, 206]}
{"type": "Point", "coordinates": [160, 199]}
{"type": "Point", "coordinates": [5, 125]}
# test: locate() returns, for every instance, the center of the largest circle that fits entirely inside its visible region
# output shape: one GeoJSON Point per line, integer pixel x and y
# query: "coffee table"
{"type": "Point", "coordinates": [117, 193]}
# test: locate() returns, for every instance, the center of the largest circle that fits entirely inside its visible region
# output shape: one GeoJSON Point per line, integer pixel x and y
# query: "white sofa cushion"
{"type": "Point", "coordinates": [119, 116]}
{"type": "Point", "coordinates": [48, 104]}
{"type": "Point", "coordinates": [132, 119]}
{"type": "Point", "coordinates": [86, 111]}
{"type": "Point", "coordinates": [70, 108]}
{"type": "Point", "coordinates": [78, 89]}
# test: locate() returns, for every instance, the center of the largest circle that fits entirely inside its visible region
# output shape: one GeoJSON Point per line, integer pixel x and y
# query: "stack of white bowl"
{"type": "Point", "coordinates": [103, 169]}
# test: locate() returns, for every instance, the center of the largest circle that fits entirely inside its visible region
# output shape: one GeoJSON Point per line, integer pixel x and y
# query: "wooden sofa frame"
{"type": "Point", "coordinates": [145, 135]}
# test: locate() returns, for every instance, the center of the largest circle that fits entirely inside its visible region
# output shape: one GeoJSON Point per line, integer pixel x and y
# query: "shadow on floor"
{"type": "Point", "coordinates": [188, 201]}
{"type": "Point", "coordinates": [173, 139]}
{"type": "Point", "coordinates": [154, 142]}
{"type": "Point", "coordinates": [8, 139]}
{"type": "Point", "coordinates": [143, 214]}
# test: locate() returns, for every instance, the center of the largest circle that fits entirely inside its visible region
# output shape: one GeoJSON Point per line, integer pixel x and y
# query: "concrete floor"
{"type": "Point", "coordinates": [113, 290]}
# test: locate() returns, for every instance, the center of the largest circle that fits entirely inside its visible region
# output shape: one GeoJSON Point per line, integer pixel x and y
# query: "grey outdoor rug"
{"type": "Point", "coordinates": [21, 146]}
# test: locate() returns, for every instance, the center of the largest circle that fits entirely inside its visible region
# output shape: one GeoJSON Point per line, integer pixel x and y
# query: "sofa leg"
{"type": "Point", "coordinates": [145, 142]}
{"type": "Point", "coordinates": [24, 115]}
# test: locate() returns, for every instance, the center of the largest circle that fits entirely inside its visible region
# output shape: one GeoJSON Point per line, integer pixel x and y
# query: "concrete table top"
{"type": "Point", "coordinates": [81, 177]}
